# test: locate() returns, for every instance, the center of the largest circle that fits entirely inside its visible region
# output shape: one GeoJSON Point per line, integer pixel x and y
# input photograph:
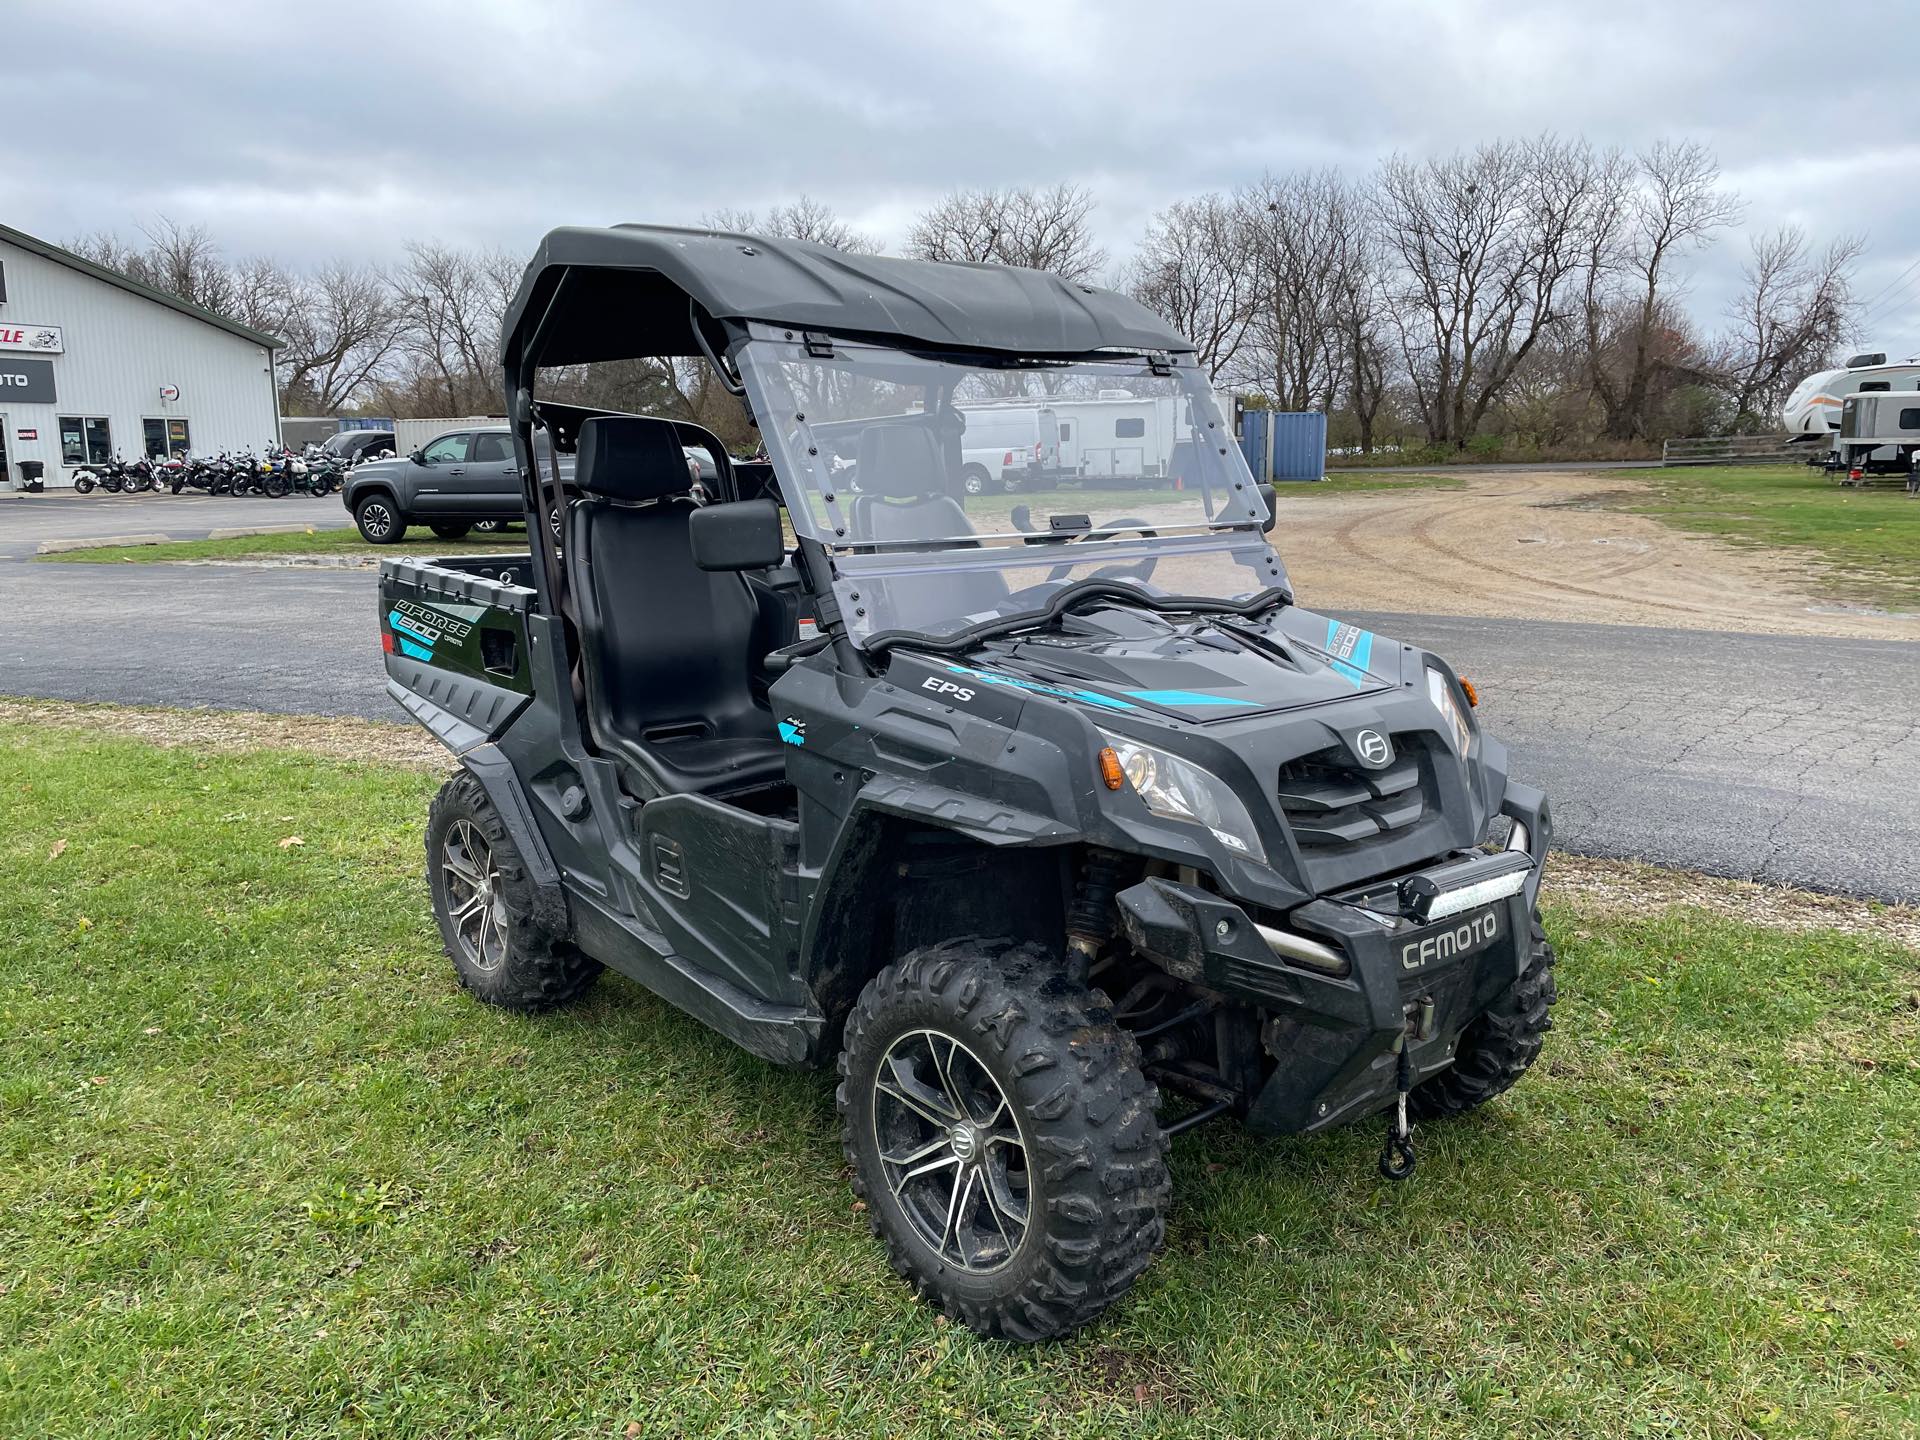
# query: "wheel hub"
{"type": "Point", "coordinates": [951, 1150]}
{"type": "Point", "coordinates": [964, 1143]}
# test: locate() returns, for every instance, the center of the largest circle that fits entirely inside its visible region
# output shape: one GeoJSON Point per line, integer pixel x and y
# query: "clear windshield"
{"type": "Point", "coordinates": [951, 492]}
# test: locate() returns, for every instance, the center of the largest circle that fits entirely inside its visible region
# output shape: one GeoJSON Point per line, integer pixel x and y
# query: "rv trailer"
{"type": "Point", "coordinates": [1812, 412]}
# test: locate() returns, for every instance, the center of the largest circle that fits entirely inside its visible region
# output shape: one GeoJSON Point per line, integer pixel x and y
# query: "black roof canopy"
{"type": "Point", "coordinates": [622, 292]}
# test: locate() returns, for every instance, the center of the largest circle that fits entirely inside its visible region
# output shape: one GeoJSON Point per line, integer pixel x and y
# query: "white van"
{"type": "Point", "coordinates": [1008, 447]}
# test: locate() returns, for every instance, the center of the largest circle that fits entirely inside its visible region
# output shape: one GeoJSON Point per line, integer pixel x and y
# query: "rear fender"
{"type": "Point", "coordinates": [495, 774]}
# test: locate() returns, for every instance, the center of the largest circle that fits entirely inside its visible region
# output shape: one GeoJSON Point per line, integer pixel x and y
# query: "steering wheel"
{"type": "Point", "coordinates": [1141, 570]}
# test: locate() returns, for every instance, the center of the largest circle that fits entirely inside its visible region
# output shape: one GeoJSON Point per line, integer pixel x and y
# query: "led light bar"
{"type": "Point", "coordinates": [1440, 893]}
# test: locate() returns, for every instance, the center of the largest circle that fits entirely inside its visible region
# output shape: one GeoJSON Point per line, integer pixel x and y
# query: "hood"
{"type": "Point", "coordinates": [1197, 671]}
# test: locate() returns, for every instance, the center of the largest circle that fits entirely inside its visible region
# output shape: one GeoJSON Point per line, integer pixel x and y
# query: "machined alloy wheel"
{"type": "Point", "coordinates": [379, 522]}
{"type": "Point", "coordinates": [474, 903]}
{"type": "Point", "coordinates": [952, 1150]}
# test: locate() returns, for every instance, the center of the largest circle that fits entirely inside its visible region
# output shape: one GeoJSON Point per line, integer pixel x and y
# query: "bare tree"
{"type": "Point", "coordinates": [1652, 210]}
{"type": "Point", "coordinates": [1794, 308]}
{"type": "Point", "coordinates": [1050, 229]}
{"type": "Point", "coordinates": [1359, 311]}
{"type": "Point", "coordinates": [1291, 243]}
{"type": "Point", "coordinates": [450, 305]}
{"type": "Point", "coordinates": [1190, 271]}
{"type": "Point", "coordinates": [803, 219]}
{"type": "Point", "coordinates": [342, 328]}
{"type": "Point", "coordinates": [182, 260]}
{"type": "Point", "coordinates": [1484, 243]}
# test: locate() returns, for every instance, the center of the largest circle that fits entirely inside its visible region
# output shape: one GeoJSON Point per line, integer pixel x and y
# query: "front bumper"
{"type": "Point", "coordinates": [1348, 974]}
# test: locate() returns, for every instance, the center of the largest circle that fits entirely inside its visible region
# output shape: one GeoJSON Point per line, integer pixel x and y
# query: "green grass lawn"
{"type": "Point", "coordinates": [264, 1170]}
{"type": "Point", "coordinates": [419, 541]}
{"type": "Point", "coordinates": [1868, 541]}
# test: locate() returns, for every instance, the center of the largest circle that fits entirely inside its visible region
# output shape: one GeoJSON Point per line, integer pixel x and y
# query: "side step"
{"type": "Point", "coordinates": [784, 1034]}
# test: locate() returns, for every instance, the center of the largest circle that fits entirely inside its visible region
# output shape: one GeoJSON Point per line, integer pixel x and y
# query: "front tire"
{"type": "Point", "coordinates": [502, 951]}
{"type": "Point", "coordinates": [380, 521]}
{"type": "Point", "coordinates": [1498, 1046]}
{"type": "Point", "coordinates": [1003, 1137]}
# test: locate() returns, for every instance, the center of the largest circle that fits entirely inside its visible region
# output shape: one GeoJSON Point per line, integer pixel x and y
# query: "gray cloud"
{"type": "Point", "coordinates": [344, 129]}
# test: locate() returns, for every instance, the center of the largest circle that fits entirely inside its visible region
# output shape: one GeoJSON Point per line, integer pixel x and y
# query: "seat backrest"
{"type": "Point", "coordinates": [670, 649]}
{"type": "Point", "coordinates": [906, 496]}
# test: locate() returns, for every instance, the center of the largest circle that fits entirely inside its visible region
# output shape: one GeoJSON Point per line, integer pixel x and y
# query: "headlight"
{"type": "Point", "coordinates": [1440, 691]}
{"type": "Point", "coordinates": [1177, 789]}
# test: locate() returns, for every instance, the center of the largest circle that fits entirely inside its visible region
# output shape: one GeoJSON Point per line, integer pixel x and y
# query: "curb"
{"type": "Point", "coordinates": [103, 542]}
{"type": "Point", "coordinates": [241, 532]}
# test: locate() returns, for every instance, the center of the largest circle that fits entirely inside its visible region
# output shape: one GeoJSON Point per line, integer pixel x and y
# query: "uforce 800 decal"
{"type": "Point", "coordinates": [1473, 933]}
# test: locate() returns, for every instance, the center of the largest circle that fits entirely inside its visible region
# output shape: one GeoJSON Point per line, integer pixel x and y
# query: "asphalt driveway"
{"type": "Point", "coordinates": [1772, 757]}
{"type": "Point", "coordinates": [28, 520]}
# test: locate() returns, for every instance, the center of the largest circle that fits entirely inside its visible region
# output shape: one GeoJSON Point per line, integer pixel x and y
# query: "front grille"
{"type": "Point", "coordinates": [1329, 801]}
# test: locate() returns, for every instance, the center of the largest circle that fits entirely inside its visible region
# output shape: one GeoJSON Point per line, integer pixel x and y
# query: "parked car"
{"type": "Point", "coordinates": [449, 485]}
{"type": "Point", "coordinates": [453, 483]}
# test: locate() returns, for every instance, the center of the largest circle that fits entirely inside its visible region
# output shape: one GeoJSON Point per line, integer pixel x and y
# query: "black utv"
{"type": "Point", "coordinates": [1057, 833]}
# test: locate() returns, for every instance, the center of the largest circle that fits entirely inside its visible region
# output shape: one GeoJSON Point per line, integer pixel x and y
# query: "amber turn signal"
{"type": "Point", "coordinates": [1110, 770]}
{"type": "Point", "coordinates": [1473, 695]}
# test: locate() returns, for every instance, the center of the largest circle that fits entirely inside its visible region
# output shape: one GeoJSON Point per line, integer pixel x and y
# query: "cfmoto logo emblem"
{"type": "Point", "coordinates": [1373, 748]}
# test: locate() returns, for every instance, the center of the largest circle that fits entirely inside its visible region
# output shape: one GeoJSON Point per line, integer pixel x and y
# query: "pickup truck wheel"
{"type": "Point", "coordinates": [485, 905]}
{"type": "Point", "coordinates": [451, 532]}
{"type": "Point", "coordinates": [490, 527]}
{"type": "Point", "coordinates": [1499, 1046]}
{"type": "Point", "coordinates": [975, 480]}
{"type": "Point", "coordinates": [1003, 1137]}
{"type": "Point", "coordinates": [380, 523]}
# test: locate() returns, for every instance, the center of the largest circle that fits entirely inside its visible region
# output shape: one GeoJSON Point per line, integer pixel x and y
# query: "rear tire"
{"type": "Point", "coordinates": [1012, 1114]}
{"type": "Point", "coordinates": [501, 950]}
{"type": "Point", "coordinates": [380, 521]}
{"type": "Point", "coordinates": [450, 531]}
{"type": "Point", "coordinates": [490, 527]}
{"type": "Point", "coordinates": [1499, 1046]}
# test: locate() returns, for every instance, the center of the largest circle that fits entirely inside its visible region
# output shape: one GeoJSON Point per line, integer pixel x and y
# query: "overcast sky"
{"type": "Point", "coordinates": [346, 128]}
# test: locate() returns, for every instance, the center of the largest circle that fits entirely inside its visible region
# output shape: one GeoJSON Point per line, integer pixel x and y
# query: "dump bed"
{"type": "Point", "coordinates": [455, 635]}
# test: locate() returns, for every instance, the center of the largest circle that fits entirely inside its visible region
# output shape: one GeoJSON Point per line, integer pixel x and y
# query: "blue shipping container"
{"type": "Point", "coordinates": [365, 422]}
{"type": "Point", "coordinates": [1284, 445]}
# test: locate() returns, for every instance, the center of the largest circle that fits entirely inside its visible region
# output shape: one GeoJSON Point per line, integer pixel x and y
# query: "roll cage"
{"type": "Point", "coordinates": [631, 292]}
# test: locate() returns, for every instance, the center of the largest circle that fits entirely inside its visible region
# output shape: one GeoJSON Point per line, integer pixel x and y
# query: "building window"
{"type": "Point", "coordinates": [1066, 431]}
{"type": "Point", "coordinates": [1129, 429]}
{"type": "Point", "coordinates": [85, 440]}
{"type": "Point", "coordinates": [164, 437]}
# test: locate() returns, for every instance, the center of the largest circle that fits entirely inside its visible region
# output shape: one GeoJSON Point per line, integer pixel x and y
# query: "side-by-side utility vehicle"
{"type": "Point", "coordinates": [1058, 827]}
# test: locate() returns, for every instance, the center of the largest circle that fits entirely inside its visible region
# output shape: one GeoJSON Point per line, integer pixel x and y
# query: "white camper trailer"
{"type": "Point", "coordinates": [1812, 412]}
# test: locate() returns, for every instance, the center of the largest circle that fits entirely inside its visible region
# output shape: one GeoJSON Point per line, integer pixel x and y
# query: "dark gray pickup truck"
{"type": "Point", "coordinates": [452, 483]}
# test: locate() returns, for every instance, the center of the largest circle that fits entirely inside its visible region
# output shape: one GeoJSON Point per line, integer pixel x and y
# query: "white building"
{"type": "Point", "coordinates": [94, 365]}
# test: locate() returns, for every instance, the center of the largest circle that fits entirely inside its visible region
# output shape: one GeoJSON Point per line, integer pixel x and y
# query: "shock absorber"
{"type": "Point", "coordinates": [1090, 916]}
